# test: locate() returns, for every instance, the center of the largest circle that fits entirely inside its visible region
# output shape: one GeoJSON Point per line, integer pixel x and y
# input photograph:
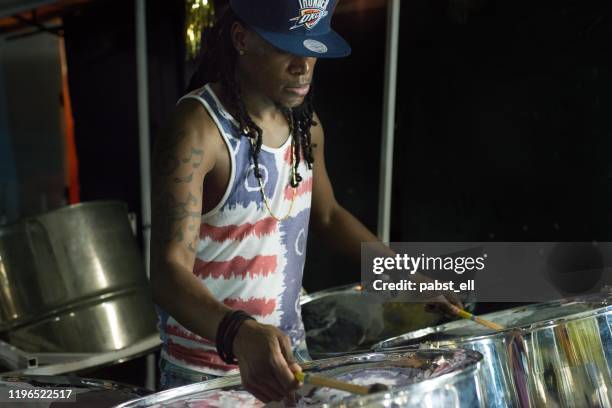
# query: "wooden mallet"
{"type": "Point", "coordinates": [320, 381]}
{"type": "Point", "coordinates": [467, 315]}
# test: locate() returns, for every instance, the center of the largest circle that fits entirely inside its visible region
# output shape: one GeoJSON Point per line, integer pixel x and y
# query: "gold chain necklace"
{"type": "Point", "coordinates": [293, 183]}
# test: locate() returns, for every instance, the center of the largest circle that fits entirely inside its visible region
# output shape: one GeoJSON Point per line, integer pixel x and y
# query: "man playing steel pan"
{"type": "Point", "coordinates": [237, 178]}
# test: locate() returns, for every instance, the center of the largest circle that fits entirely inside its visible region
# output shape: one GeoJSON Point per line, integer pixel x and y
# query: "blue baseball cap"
{"type": "Point", "coordinates": [300, 27]}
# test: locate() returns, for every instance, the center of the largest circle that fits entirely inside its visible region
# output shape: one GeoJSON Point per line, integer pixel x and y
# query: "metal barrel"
{"type": "Point", "coordinates": [73, 280]}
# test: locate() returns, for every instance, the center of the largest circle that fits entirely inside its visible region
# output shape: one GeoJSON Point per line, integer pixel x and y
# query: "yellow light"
{"type": "Point", "coordinates": [199, 15]}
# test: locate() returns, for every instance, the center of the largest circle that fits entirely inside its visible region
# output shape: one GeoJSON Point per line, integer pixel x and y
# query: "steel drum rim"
{"type": "Point", "coordinates": [356, 288]}
{"type": "Point", "coordinates": [398, 341]}
{"type": "Point", "coordinates": [470, 367]}
{"type": "Point", "coordinates": [166, 395]}
{"type": "Point", "coordinates": [377, 356]}
{"type": "Point", "coordinates": [88, 204]}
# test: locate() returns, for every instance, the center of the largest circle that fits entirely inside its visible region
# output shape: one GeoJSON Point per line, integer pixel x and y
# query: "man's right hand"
{"type": "Point", "coordinates": [266, 361]}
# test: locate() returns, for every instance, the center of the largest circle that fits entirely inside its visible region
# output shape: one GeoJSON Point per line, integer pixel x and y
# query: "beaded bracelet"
{"type": "Point", "coordinates": [226, 333]}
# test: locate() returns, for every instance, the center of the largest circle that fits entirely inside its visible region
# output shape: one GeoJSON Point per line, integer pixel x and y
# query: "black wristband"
{"type": "Point", "coordinates": [226, 333]}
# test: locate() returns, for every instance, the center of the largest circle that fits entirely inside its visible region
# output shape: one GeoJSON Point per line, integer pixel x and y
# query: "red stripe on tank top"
{"type": "Point", "coordinates": [254, 306]}
{"type": "Point", "coordinates": [237, 267]}
{"type": "Point", "coordinates": [304, 187]}
{"type": "Point", "coordinates": [263, 227]}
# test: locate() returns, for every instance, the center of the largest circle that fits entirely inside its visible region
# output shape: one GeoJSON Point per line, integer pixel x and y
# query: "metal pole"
{"type": "Point", "coordinates": [145, 151]}
{"type": "Point", "coordinates": [388, 128]}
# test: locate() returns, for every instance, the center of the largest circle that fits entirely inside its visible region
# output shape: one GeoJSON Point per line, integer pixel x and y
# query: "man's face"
{"type": "Point", "coordinates": [282, 77]}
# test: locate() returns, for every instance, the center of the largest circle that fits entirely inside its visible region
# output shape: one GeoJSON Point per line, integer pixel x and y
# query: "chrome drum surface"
{"type": "Point", "coordinates": [73, 280]}
{"type": "Point", "coordinates": [111, 323]}
{"type": "Point", "coordinates": [555, 354]}
{"type": "Point", "coordinates": [417, 378]}
{"type": "Point", "coordinates": [348, 320]}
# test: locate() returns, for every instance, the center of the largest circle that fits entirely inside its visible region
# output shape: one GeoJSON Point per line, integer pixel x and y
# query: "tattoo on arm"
{"type": "Point", "coordinates": [173, 212]}
{"type": "Point", "coordinates": [198, 154]}
{"type": "Point", "coordinates": [191, 246]}
{"type": "Point", "coordinates": [177, 216]}
{"type": "Point", "coordinates": [184, 179]}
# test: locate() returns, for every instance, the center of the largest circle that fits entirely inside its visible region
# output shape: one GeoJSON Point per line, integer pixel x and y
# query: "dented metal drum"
{"type": "Point", "coordinates": [556, 354]}
{"type": "Point", "coordinates": [347, 319]}
{"type": "Point", "coordinates": [416, 378]}
{"type": "Point", "coordinates": [73, 280]}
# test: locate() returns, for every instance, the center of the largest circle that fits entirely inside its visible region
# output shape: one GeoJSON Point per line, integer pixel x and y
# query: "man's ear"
{"type": "Point", "coordinates": [239, 37]}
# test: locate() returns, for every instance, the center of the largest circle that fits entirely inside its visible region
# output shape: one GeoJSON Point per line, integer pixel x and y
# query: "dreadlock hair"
{"type": "Point", "coordinates": [218, 62]}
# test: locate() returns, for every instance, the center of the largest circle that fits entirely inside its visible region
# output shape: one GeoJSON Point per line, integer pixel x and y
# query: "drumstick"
{"type": "Point", "coordinates": [467, 315]}
{"type": "Point", "coordinates": [320, 381]}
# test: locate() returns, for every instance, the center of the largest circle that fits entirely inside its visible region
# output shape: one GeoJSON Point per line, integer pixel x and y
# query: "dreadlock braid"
{"type": "Point", "coordinates": [295, 135]}
{"type": "Point", "coordinates": [218, 63]}
{"type": "Point", "coordinates": [247, 125]}
{"type": "Point", "coordinates": [306, 121]}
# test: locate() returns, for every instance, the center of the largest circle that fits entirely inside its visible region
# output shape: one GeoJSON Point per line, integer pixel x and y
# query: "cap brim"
{"type": "Point", "coordinates": [329, 45]}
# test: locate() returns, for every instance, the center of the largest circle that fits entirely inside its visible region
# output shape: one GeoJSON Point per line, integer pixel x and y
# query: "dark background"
{"type": "Point", "coordinates": [503, 129]}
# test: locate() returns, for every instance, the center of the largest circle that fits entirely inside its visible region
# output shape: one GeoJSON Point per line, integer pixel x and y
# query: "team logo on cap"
{"type": "Point", "coordinates": [311, 12]}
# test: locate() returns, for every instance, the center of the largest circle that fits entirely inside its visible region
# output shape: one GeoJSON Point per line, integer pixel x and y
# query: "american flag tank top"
{"type": "Point", "coordinates": [245, 257]}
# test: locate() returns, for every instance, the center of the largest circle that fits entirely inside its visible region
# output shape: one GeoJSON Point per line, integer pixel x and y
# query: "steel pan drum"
{"type": "Point", "coordinates": [348, 320]}
{"type": "Point", "coordinates": [417, 378]}
{"type": "Point", "coordinates": [556, 354]}
{"type": "Point", "coordinates": [89, 393]}
{"type": "Point", "coordinates": [73, 280]}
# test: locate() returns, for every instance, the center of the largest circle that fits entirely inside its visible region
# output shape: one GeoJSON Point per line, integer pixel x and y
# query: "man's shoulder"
{"type": "Point", "coordinates": [190, 113]}
{"type": "Point", "coordinates": [191, 110]}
